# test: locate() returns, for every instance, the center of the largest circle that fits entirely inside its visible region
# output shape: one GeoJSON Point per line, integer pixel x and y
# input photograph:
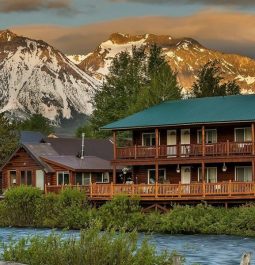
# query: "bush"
{"type": "Point", "coordinates": [20, 205]}
{"type": "Point", "coordinates": [93, 248]}
{"type": "Point", "coordinates": [72, 197]}
{"type": "Point", "coordinates": [121, 212]}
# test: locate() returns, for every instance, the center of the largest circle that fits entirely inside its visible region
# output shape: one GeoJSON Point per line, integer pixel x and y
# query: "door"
{"type": "Point", "coordinates": [171, 142]}
{"type": "Point", "coordinates": [39, 179]}
{"type": "Point", "coordinates": [185, 142]}
{"type": "Point", "coordinates": [185, 179]}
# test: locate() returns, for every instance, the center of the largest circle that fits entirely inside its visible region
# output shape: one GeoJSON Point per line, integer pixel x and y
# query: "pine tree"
{"type": "Point", "coordinates": [209, 82]}
{"type": "Point", "coordinates": [8, 138]}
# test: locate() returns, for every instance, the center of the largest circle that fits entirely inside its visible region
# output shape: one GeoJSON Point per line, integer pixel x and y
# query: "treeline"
{"type": "Point", "coordinates": [142, 79]}
{"type": "Point", "coordinates": [28, 207]}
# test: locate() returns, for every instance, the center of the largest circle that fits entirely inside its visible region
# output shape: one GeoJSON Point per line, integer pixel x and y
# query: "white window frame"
{"type": "Point", "coordinates": [9, 176]}
{"type": "Point", "coordinates": [63, 172]}
{"type": "Point", "coordinates": [206, 174]}
{"type": "Point", "coordinates": [153, 169]}
{"type": "Point", "coordinates": [102, 177]}
{"type": "Point", "coordinates": [242, 128]}
{"type": "Point", "coordinates": [83, 177]}
{"type": "Point", "coordinates": [206, 135]}
{"type": "Point", "coordinates": [148, 133]}
{"type": "Point", "coordinates": [236, 167]}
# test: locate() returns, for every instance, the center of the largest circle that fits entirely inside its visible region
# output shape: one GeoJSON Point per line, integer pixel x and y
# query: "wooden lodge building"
{"type": "Point", "coordinates": [180, 151]}
{"type": "Point", "coordinates": [189, 150]}
{"type": "Point", "coordinates": [53, 163]}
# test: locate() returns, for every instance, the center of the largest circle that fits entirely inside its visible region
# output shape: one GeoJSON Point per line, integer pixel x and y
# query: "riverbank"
{"type": "Point", "coordinates": [27, 207]}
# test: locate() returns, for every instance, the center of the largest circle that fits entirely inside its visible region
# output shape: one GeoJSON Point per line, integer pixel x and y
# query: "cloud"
{"type": "Point", "coordinates": [9, 6]}
{"type": "Point", "coordinates": [231, 32]}
{"type": "Point", "coordinates": [204, 2]}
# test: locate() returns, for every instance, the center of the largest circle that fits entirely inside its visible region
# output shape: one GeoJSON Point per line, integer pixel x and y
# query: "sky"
{"type": "Point", "coordinates": [79, 26]}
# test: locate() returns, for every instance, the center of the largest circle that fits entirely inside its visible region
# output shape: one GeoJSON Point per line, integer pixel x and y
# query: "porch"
{"type": "Point", "coordinates": [227, 190]}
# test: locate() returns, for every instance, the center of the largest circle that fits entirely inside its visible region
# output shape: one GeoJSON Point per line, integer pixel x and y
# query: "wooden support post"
{"type": "Point", "coordinates": [91, 189]}
{"type": "Point", "coordinates": [112, 191]}
{"type": "Point", "coordinates": [179, 190]}
{"type": "Point", "coordinates": [230, 188]}
{"type": "Point", "coordinates": [45, 188]}
{"type": "Point", "coordinates": [203, 178]}
{"type": "Point", "coordinates": [253, 138]}
{"type": "Point", "coordinates": [203, 140]}
{"type": "Point", "coordinates": [156, 189]}
{"type": "Point", "coordinates": [157, 142]}
{"type": "Point", "coordinates": [114, 146]}
{"type": "Point", "coordinates": [227, 147]}
{"type": "Point", "coordinates": [114, 174]}
{"type": "Point", "coordinates": [156, 172]}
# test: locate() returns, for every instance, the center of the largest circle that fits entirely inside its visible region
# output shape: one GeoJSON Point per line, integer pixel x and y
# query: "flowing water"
{"type": "Point", "coordinates": [197, 249]}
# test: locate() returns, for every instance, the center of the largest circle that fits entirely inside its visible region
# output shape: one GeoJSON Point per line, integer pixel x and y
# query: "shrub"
{"type": "Point", "coordinates": [72, 197]}
{"type": "Point", "coordinates": [93, 248]}
{"type": "Point", "coordinates": [121, 212]}
{"type": "Point", "coordinates": [20, 205]}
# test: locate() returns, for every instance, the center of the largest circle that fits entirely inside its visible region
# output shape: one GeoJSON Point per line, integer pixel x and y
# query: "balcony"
{"type": "Point", "coordinates": [196, 191]}
{"type": "Point", "coordinates": [224, 149]}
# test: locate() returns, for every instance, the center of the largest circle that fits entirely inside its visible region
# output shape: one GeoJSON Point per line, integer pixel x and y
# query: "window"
{"type": "Point", "coordinates": [210, 174]}
{"type": "Point", "coordinates": [82, 178]}
{"type": "Point", "coordinates": [26, 177]}
{"type": "Point", "coordinates": [63, 178]}
{"type": "Point", "coordinates": [243, 174]}
{"type": "Point", "coordinates": [101, 177]}
{"type": "Point", "coordinates": [148, 139]}
{"type": "Point", "coordinates": [243, 135]}
{"type": "Point", "coordinates": [210, 136]}
{"type": "Point", "coordinates": [13, 177]}
{"type": "Point", "coordinates": [152, 176]}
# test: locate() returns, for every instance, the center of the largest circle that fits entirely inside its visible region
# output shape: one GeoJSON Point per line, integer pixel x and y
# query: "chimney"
{"type": "Point", "coordinates": [82, 145]}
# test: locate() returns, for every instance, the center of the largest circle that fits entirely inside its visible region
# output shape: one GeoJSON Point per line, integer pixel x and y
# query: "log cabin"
{"type": "Point", "coordinates": [57, 162]}
{"type": "Point", "coordinates": [189, 150]}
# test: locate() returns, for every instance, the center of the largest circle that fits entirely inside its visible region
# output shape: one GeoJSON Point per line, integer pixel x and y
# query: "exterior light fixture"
{"type": "Point", "coordinates": [224, 167]}
{"type": "Point", "coordinates": [178, 169]}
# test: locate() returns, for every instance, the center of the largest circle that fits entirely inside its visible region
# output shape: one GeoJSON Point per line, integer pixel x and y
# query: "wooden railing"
{"type": "Point", "coordinates": [163, 191]}
{"type": "Point", "coordinates": [185, 150]}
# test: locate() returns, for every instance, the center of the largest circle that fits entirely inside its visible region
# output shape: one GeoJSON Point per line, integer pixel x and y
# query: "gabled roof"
{"type": "Point", "coordinates": [30, 137]}
{"type": "Point", "coordinates": [36, 151]}
{"type": "Point", "coordinates": [229, 109]}
{"type": "Point", "coordinates": [89, 163]}
{"type": "Point", "coordinates": [101, 148]}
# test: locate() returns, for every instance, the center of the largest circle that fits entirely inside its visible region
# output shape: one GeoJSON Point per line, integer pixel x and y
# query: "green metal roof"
{"type": "Point", "coordinates": [239, 108]}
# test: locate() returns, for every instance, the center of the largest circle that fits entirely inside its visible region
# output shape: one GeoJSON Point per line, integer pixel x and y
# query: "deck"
{"type": "Point", "coordinates": [166, 192]}
{"type": "Point", "coordinates": [225, 149]}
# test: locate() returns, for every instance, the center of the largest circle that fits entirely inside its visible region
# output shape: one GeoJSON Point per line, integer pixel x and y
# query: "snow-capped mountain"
{"type": "Point", "coordinates": [77, 58]}
{"type": "Point", "coordinates": [36, 78]}
{"type": "Point", "coordinates": [185, 55]}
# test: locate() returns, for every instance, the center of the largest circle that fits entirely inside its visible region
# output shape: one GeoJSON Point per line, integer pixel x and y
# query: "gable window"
{"type": "Point", "coordinates": [210, 136]}
{"type": "Point", "coordinates": [210, 174]}
{"type": "Point", "coordinates": [63, 178]}
{"type": "Point", "coordinates": [243, 135]}
{"type": "Point", "coordinates": [152, 176]}
{"type": "Point", "coordinates": [243, 174]}
{"type": "Point", "coordinates": [26, 177]}
{"type": "Point", "coordinates": [82, 178]}
{"type": "Point", "coordinates": [101, 177]}
{"type": "Point", "coordinates": [148, 139]}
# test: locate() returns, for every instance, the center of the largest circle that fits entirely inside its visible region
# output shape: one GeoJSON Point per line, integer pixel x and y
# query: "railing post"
{"type": "Point", "coordinates": [135, 151]}
{"type": "Point", "coordinates": [227, 147]}
{"type": "Point", "coordinates": [203, 188]}
{"type": "Point", "coordinates": [230, 188]}
{"type": "Point", "coordinates": [112, 191]}
{"type": "Point", "coordinates": [133, 189]}
{"type": "Point", "coordinates": [157, 141]}
{"type": "Point", "coordinates": [179, 189]}
{"type": "Point", "coordinates": [91, 189]}
{"type": "Point", "coordinates": [156, 189]}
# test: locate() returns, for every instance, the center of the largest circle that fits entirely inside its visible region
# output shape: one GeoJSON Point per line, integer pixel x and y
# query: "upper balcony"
{"type": "Point", "coordinates": [186, 150]}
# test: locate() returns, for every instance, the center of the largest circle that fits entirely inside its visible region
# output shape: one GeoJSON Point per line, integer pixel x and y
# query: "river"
{"type": "Point", "coordinates": [202, 249]}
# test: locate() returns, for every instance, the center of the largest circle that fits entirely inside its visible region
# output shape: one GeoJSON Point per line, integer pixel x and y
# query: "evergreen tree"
{"type": "Point", "coordinates": [209, 82]}
{"type": "Point", "coordinates": [135, 82]}
{"type": "Point", "coordinates": [8, 138]}
{"type": "Point", "coordinates": [37, 123]}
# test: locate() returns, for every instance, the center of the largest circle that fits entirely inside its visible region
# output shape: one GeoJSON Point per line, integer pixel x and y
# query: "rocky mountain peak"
{"type": "Point", "coordinates": [7, 35]}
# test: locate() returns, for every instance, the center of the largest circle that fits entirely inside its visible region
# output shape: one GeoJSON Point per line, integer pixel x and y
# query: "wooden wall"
{"type": "Point", "coordinates": [21, 161]}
